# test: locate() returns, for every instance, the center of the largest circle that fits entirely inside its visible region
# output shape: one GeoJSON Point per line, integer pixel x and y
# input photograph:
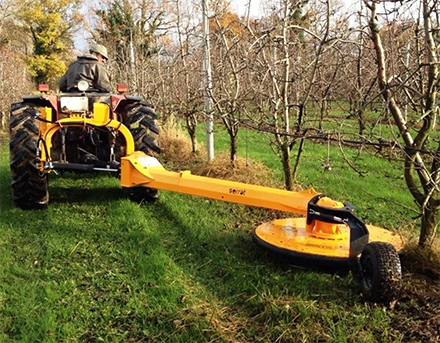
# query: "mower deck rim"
{"type": "Point", "coordinates": [289, 240]}
{"type": "Point", "coordinates": [303, 260]}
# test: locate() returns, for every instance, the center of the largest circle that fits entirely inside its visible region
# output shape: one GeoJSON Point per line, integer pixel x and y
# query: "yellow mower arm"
{"type": "Point", "coordinates": [139, 169]}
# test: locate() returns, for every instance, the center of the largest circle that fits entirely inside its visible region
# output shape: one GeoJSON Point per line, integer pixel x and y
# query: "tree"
{"type": "Point", "coordinates": [228, 54]}
{"type": "Point", "coordinates": [286, 59]}
{"type": "Point", "coordinates": [6, 10]}
{"type": "Point", "coordinates": [188, 94]}
{"type": "Point", "coordinates": [14, 80]}
{"type": "Point", "coordinates": [50, 24]}
{"type": "Point", "coordinates": [421, 157]}
{"type": "Point", "coordinates": [270, 59]}
{"type": "Point", "coordinates": [358, 79]}
{"type": "Point", "coordinates": [130, 30]}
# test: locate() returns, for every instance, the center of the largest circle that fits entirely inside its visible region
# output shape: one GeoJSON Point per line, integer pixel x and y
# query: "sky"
{"type": "Point", "coordinates": [240, 6]}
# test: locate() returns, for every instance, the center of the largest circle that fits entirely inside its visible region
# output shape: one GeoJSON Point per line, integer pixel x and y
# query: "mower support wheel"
{"type": "Point", "coordinates": [29, 184]}
{"type": "Point", "coordinates": [381, 272]}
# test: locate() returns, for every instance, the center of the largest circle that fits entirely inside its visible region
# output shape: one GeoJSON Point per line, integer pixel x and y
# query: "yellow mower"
{"type": "Point", "coordinates": [93, 132]}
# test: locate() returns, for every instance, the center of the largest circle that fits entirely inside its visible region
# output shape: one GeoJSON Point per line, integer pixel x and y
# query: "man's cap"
{"type": "Point", "coordinates": [100, 49]}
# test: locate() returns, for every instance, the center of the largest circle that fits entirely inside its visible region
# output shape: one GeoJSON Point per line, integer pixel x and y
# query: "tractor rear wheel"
{"type": "Point", "coordinates": [142, 124]}
{"type": "Point", "coordinates": [29, 184]}
{"type": "Point", "coordinates": [381, 274]}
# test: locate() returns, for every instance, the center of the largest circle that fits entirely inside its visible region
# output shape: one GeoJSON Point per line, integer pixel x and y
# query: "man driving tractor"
{"type": "Point", "coordinates": [89, 67]}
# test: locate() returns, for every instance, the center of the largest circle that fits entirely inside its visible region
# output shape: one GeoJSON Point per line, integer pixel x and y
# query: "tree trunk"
{"type": "Point", "coordinates": [233, 149]}
{"type": "Point", "coordinates": [2, 120]}
{"type": "Point", "coordinates": [323, 112]}
{"type": "Point", "coordinates": [287, 167]}
{"type": "Point", "coordinates": [360, 115]}
{"type": "Point", "coordinates": [191, 125]}
{"type": "Point", "coordinates": [298, 158]}
{"type": "Point", "coordinates": [301, 115]}
{"type": "Point", "coordinates": [430, 222]}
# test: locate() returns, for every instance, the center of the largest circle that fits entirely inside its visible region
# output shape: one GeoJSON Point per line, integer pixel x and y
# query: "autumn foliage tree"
{"type": "Point", "coordinates": [49, 24]}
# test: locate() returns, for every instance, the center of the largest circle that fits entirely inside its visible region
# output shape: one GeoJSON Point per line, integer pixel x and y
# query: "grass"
{"type": "Point", "coordinates": [96, 267]}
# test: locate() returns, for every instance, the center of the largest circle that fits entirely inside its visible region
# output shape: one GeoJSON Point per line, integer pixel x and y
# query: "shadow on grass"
{"type": "Point", "coordinates": [226, 259]}
{"type": "Point", "coordinates": [97, 195]}
{"type": "Point", "coordinates": [70, 188]}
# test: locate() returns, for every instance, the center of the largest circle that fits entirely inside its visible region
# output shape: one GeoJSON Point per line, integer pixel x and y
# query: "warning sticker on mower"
{"type": "Point", "coordinates": [148, 161]}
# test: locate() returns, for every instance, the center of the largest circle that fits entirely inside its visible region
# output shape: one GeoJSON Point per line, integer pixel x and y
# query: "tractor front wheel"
{"type": "Point", "coordinates": [381, 272]}
{"type": "Point", "coordinates": [29, 184]}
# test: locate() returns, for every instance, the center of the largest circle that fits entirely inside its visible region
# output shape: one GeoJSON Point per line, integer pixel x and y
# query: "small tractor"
{"type": "Point", "coordinates": [89, 131]}
{"type": "Point", "coordinates": [78, 132]}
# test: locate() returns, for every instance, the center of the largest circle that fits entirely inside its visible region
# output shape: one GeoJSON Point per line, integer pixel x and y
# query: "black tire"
{"type": "Point", "coordinates": [142, 123]}
{"type": "Point", "coordinates": [381, 274]}
{"type": "Point", "coordinates": [29, 186]}
{"type": "Point", "coordinates": [141, 194]}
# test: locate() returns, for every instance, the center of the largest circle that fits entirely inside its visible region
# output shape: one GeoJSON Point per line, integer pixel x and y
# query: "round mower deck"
{"type": "Point", "coordinates": [288, 239]}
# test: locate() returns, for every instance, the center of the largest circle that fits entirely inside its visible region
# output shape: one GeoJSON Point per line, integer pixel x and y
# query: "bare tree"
{"type": "Point", "coordinates": [286, 60]}
{"type": "Point", "coordinates": [422, 164]}
{"type": "Point", "coordinates": [14, 81]}
{"type": "Point", "coordinates": [270, 61]}
{"type": "Point", "coordinates": [360, 79]}
{"type": "Point", "coordinates": [132, 31]}
{"type": "Point", "coordinates": [188, 93]}
{"type": "Point", "coordinates": [229, 48]}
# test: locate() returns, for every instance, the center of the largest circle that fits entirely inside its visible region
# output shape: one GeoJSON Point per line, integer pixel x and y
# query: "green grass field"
{"type": "Point", "coordinates": [96, 267]}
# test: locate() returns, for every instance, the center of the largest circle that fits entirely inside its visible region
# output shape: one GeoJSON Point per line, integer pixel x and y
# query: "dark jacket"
{"type": "Point", "coordinates": [87, 68]}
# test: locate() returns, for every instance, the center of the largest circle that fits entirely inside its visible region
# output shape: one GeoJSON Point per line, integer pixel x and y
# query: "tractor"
{"type": "Point", "coordinates": [78, 132]}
